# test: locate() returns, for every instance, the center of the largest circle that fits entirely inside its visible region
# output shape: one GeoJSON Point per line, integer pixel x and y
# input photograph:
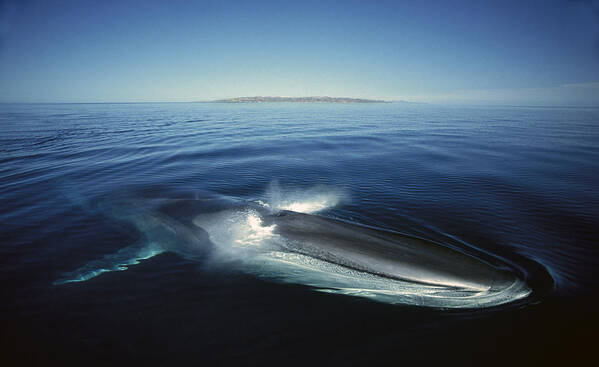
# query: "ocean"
{"type": "Point", "coordinates": [92, 273]}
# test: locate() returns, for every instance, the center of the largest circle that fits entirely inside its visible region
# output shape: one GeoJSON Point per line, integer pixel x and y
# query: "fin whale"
{"type": "Point", "coordinates": [329, 255]}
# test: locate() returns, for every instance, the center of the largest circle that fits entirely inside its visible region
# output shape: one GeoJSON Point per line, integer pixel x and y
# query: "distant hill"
{"type": "Point", "coordinates": [297, 99]}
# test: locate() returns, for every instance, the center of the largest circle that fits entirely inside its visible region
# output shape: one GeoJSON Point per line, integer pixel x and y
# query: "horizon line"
{"type": "Point", "coordinates": [464, 104]}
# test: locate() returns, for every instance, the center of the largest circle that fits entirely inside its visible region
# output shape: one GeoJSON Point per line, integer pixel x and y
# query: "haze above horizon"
{"type": "Point", "coordinates": [510, 52]}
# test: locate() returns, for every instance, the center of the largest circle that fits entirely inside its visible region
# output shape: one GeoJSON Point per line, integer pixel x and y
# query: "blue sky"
{"type": "Point", "coordinates": [504, 52]}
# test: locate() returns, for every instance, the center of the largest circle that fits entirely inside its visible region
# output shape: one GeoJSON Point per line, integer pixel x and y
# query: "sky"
{"type": "Point", "coordinates": [480, 52]}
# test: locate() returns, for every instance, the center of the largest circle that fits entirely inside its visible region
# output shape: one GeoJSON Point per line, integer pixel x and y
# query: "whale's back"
{"type": "Point", "coordinates": [388, 254]}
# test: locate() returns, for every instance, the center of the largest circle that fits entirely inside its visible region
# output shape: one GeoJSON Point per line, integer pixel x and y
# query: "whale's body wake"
{"type": "Point", "coordinates": [280, 239]}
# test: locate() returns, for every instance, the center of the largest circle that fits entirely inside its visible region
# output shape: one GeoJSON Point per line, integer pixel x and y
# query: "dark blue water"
{"type": "Point", "coordinates": [520, 183]}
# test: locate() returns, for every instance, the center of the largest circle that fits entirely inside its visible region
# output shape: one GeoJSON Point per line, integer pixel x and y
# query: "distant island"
{"type": "Point", "coordinates": [297, 99]}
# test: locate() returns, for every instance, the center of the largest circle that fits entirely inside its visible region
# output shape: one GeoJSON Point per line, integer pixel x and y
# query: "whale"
{"type": "Point", "coordinates": [327, 254]}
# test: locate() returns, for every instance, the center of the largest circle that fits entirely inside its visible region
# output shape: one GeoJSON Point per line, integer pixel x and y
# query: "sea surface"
{"type": "Point", "coordinates": [519, 184]}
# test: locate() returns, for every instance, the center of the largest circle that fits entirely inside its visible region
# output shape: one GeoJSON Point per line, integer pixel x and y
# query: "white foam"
{"type": "Point", "coordinates": [311, 200]}
{"type": "Point", "coordinates": [252, 232]}
{"type": "Point", "coordinates": [309, 206]}
{"type": "Point", "coordinates": [236, 234]}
